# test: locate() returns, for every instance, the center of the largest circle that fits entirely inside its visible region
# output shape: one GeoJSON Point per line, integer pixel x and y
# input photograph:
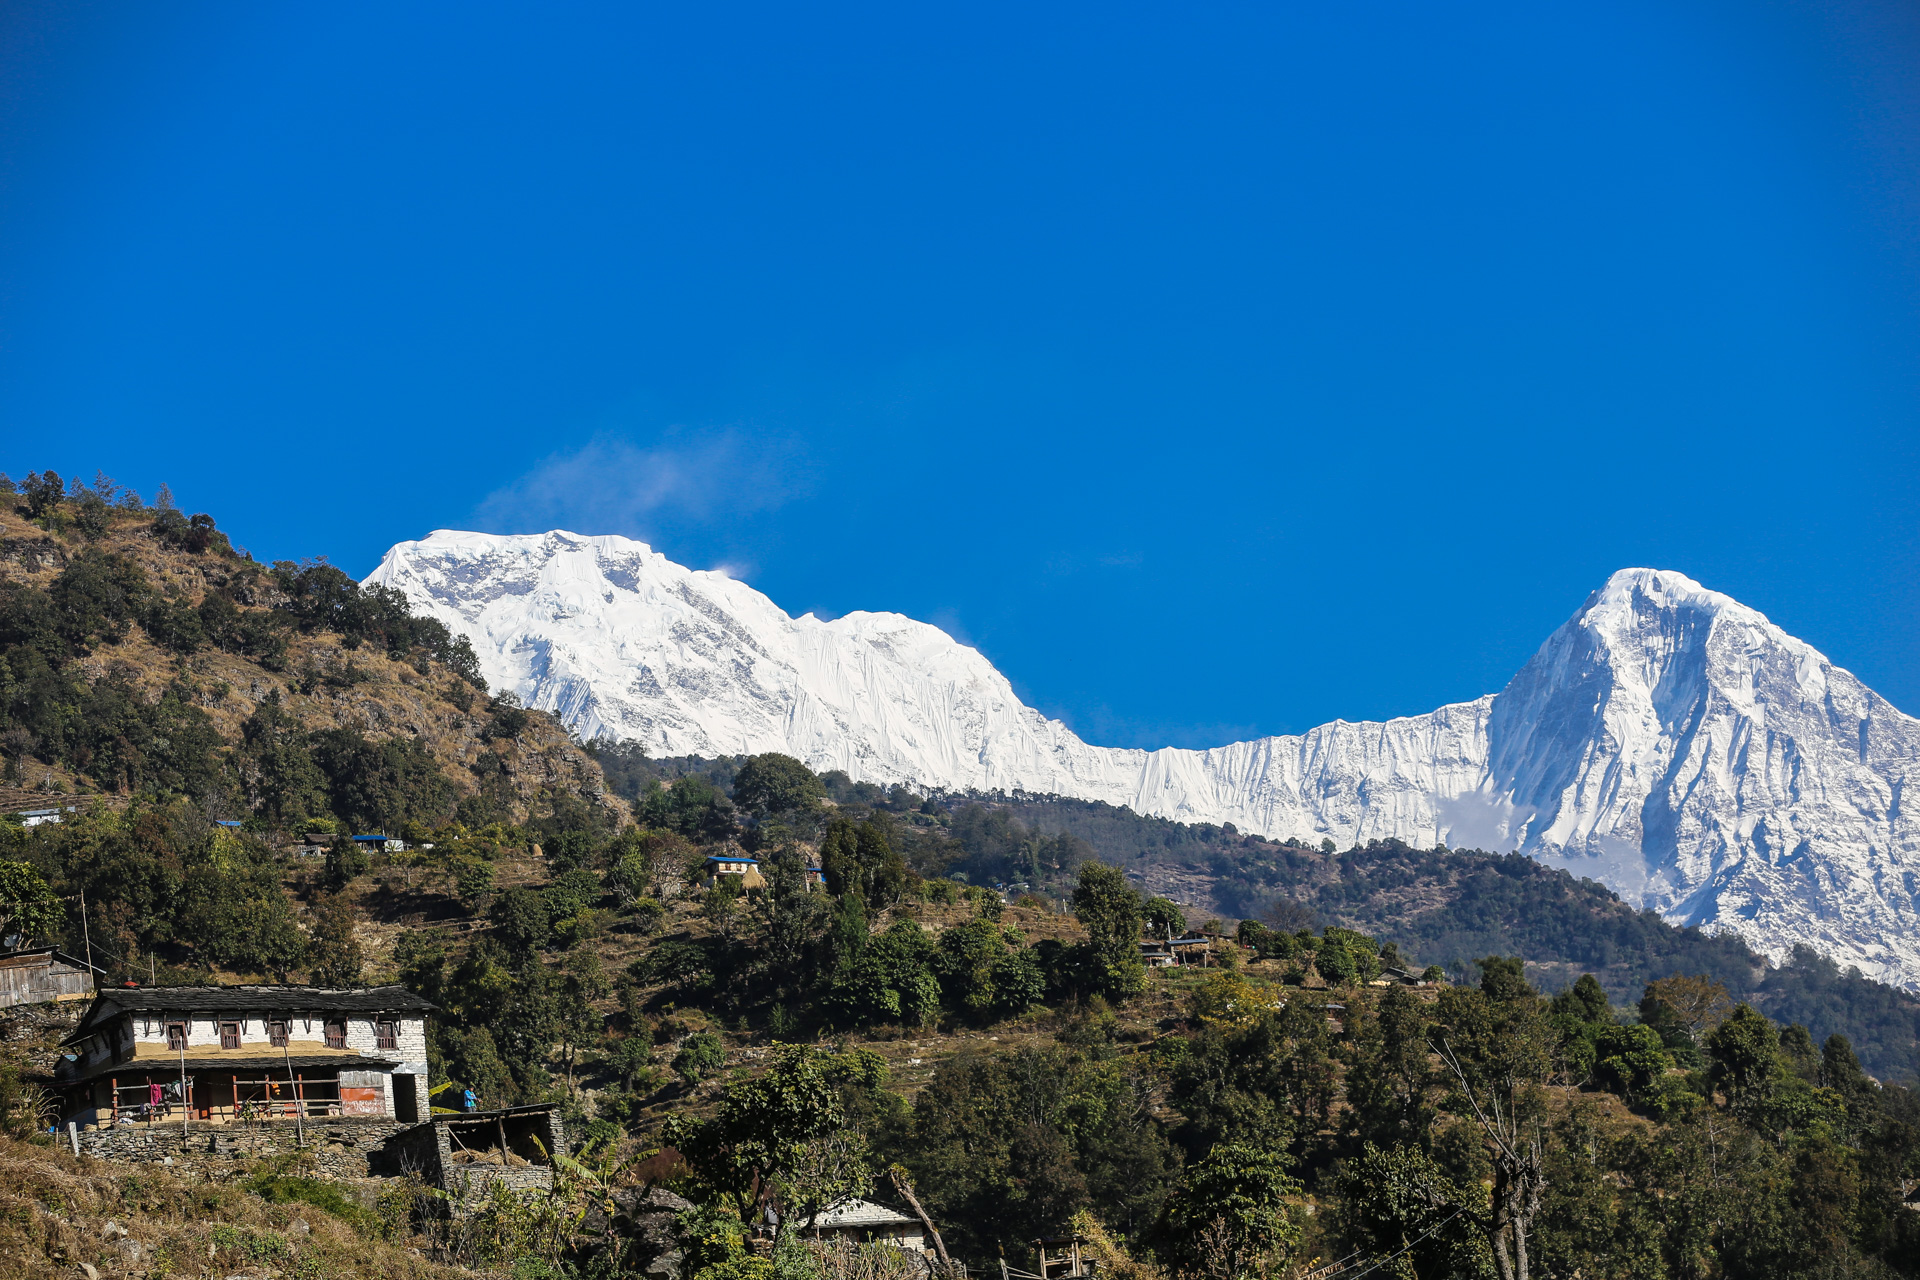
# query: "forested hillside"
{"type": "Point", "coordinates": [157, 682]}
{"type": "Point", "coordinates": [1439, 906]}
{"type": "Point", "coordinates": [868, 1012]}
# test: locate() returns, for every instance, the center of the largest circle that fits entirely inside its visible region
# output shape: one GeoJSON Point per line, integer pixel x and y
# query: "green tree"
{"type": "Point", "coordinates": [1165, 920]}
{"type": "Point", "coordinates": [345, 861]}
{"type": "Point", "coordinates": [333, 955]}
{"type": "Point", "coordinates": [884, 871]}
{"type": "Point", "coordinates": [1388, 1076]}
{"type": "Point", "coordinates": [840, 859]}
{"type": "Point", "coordinates": [579, 1023]}
{"type": "Point", "coordinates": [277, 770]}
{"type": "Point", "coordinates": [1397, 1202]}
{"type": "Point", "coordinates": [1109, 909]}
{"type": "Point", "coordinates": [1746, 1060]}
{"type": "Point", "coordinates": [762, 1129]}
{"type": "Point", "coordinates": [233, 912]}
{"type": "Point", "coordinates": [521, 922]}
{"type": "Point", "coordinates": [1581, 1014]}
{"type": "Point", "coordinates": [43, 492]}
{"type": "Point", "coordinates": [1504, 978]}
{"type": "Point", "coordinates": [646, 864]}
{"type": "Point", "coordinates": [967, 959]}
{"type": "Point", "coordinates": [1631, 1060]}
{"type": "Point", "coordinates": [1229, 1219]}
{"type": "Point", "coordinates": [776, 785]}
{"type": "Point", "coordinates": [700, 1055]}
{"type": "Point", "coordinates": [29, 910]}
{"type": "Point", "coordinates": [1497, 1047]}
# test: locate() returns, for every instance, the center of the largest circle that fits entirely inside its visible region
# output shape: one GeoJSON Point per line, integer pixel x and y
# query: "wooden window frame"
{"type": "Point", "coordinates": [179, 1042]}
{"type": "Point", "coordinates": [229, 1035]}
{"type": "Point", "coordinates": [279, 1031]}
{"type": "Point", "coordinates": [386, 1034]}
{"type": "Point", "coordinates": [335, 1033]}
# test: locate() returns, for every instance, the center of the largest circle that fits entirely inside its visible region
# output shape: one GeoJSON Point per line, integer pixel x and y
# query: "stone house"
{"type": "Point", "coordinates": [746, 870]}
{"type": "Point", "coordinates": [146, 1055]}
{"type": "Point", "coordinates": [861, 1221]}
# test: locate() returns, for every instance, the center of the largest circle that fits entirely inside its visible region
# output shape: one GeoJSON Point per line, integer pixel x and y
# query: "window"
{"type": "Point", "coordinates": [176, 1035]}
{"type": "Point", "coordinates": [229, 1035]}
{"type": "Point", "coordinates": [277, 1033]}
{"type": "Point", "coordinates": [386, 1035]}
{"type": "Point", "coordinates": [336, 1034]}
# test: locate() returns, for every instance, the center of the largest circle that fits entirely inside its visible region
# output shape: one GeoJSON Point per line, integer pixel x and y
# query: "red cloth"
{"type": "Point", "coordinates": [153, 1093]}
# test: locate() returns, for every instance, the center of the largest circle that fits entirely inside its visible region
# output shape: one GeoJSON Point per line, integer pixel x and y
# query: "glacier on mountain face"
{"type": "Point", "coordinates": [1666, 740]}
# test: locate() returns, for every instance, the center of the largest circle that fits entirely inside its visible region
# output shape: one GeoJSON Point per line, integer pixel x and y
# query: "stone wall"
{"type": "Point", "coordinates": [351, 1148]}
{"type": "Point", "coordinates": [343, 1148]}
{"type": "Point", "coordinates": [469, 1184]}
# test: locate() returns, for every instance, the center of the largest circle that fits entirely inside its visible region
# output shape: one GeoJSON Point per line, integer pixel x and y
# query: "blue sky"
{"type": "Point", "coordinates": [1216, 370]}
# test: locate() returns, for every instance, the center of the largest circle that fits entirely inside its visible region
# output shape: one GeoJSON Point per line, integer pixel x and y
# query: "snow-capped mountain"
{"type": "Point", "coordinates": [1667, 740]}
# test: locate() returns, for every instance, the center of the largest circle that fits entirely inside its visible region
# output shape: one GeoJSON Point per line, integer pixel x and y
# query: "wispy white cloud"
{"type": "Point", "coordinates": [612, 485]}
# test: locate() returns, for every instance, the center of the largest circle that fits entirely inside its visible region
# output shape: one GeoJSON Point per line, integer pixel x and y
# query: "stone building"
{"type": "Point", "coordinates": [213, 1055]}
{"type": "Point", "coordinates": [862, 1221]}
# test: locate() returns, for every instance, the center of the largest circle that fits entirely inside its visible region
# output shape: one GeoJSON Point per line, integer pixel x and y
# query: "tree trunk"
{"type": "Point", "coordinates": [904, 1189]}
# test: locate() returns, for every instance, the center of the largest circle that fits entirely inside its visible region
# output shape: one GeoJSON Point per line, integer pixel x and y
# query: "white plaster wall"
{"type": "Point", "coordinates": [204, 1032]}
{"type": "Point", "coordinates": [412, 1038]}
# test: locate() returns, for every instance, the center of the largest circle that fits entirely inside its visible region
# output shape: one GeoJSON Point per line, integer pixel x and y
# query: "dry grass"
{"type": "Point", "coordinates": [58, 1213]}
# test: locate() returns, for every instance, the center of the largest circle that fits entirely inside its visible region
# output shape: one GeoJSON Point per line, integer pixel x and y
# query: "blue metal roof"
{"type": "Point", "coordinates": [754, 861]}
{"type": "Point", "coordinates": [371, 837]}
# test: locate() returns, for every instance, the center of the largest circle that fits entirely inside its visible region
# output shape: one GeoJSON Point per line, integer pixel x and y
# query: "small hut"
{"type": "Point", "coordinates": [745, 870]}
{"type": "Point", "coordinates": [860, 1221]}
{"type": "Point", "coordinates": [43, 976]}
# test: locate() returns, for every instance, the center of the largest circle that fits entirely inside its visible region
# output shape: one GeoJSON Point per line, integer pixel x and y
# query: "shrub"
{"type": "Point", "coordinates": [283, 1188]}
{"type": "Point", "coordinates": [701, 1054]}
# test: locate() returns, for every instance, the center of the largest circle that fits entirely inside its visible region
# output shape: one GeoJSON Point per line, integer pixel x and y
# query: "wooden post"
{"type": "Point", "coordinates": [293, 1083]}
{"type": "Point", "coordinates": [113, 1117]}
{"type": "Point", "coordinates": [501, 1124]}
{"type": "Point", "coordinates": [233, 1112]}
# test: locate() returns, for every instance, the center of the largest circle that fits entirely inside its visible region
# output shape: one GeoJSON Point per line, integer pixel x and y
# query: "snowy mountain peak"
{"type": "Point", "coordinates": [1666, 740]}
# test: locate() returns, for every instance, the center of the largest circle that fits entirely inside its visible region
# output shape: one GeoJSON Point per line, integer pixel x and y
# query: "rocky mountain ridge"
{"type": "Point", "coordinates": [1666, 740]}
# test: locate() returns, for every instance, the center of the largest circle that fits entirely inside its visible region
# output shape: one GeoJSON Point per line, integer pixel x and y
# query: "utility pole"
{"type": "Point", "coordinates": [185, 1096]}
{"type": "Point", "coordinates": [87, 934]}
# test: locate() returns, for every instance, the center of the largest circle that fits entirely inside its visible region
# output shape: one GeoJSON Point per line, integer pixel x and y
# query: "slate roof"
{"type": "Point", "coordinates": [266, 999]}
{"type": "Point", "coordinates": [861, 1213]}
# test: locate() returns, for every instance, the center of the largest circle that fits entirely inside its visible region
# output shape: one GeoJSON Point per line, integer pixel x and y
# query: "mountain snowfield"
{"type": "Point", "coordinates": [1666, 740]}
